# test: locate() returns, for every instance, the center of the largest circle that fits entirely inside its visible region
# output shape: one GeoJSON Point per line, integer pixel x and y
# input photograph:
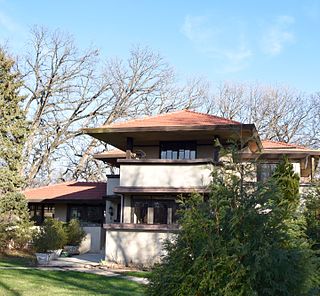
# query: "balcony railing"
{"type": "Point", "coordinates": [165, 173]}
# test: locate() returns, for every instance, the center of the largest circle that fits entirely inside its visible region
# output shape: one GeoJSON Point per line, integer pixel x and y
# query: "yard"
{"type": "Point", "coordinates": [16, 280]}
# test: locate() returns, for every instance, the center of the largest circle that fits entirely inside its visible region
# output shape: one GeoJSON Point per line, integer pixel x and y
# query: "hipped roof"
{"type": "Point", "coordinates": [68, 191]}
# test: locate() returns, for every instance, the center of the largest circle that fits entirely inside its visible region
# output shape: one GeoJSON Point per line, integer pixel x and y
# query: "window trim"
{"type": "Point", "coordinates": [181, 145]}
{"type": "Point", "coordinates": [150, 200]}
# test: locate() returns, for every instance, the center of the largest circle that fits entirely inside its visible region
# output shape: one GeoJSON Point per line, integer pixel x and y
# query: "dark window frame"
{"type": "Point", "coordinates": [84, 221]}
{"type": "Point", "coordinates": [177, 148]}
{"type": "Point", "coordinates": [150, 201]}
{"type": "Point", "coordinates": [35, 207]}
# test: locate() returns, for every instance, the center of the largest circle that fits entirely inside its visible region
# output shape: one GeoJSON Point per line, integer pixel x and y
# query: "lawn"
{"type": "Point", "coordinates": [17, 259]}
{"type": "Point", "coordinates": [31, 281]}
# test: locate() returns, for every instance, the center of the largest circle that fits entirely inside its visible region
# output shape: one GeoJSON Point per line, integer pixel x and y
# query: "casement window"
{"type": "Point", "coordinates": [178, 150]}
{"type": "Point", "coordinates": [38, 212]}
{"type": "Point", "coordinates": [153, 211]}
{"type": "Point", "coordinates": [87, 215]}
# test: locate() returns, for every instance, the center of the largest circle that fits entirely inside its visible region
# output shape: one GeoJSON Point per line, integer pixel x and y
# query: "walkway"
{"type": "Point", "coordinates": [89, 263]}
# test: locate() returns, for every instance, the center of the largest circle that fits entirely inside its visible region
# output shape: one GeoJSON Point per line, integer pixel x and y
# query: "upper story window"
{"type": "Point", "coordinates": [178, 150]}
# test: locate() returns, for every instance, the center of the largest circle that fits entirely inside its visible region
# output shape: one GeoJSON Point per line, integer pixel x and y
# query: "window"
{"type": "Point", "coordinates": [178, 150]}
{"type": "Point", "coordinates": [160, 213]}
{"type": "Point", "coordinates": [141, 212]}
{"type": "Point", "coordinates": [265, 171]}
{"type": "Point", "coordinates": [153, 211]}
{"type": "Point", "coordinates": [87, 215]}
{"type": "Point", "coordinates": [39, 212]}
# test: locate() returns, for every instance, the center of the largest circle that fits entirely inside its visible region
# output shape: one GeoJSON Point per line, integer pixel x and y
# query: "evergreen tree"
{"type": "Point", "coordinates": [14, 217]}
{"type": "Point", "coordinates": [240, 241]}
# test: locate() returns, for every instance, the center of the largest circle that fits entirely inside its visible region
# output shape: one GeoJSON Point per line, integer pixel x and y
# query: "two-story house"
{"type": "Point", "coordinates": [158, 159]}
{"type": "Point", "coordinates": [164, 156]}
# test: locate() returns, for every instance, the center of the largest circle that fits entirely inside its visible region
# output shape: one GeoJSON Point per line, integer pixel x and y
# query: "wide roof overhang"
{"type": "Point", "coordinates": [117, 136]}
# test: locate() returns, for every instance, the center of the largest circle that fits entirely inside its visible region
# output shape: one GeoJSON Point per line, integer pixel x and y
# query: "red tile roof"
{"type": "Point", "coordinates": [268, 144]}
{"type": "Point", "coordinates": [178, 118]}
{"type": "Point", "coordinates": [77, 191]}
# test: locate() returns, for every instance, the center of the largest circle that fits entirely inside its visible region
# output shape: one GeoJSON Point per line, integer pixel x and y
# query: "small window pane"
{"type": "Point", "coordinates": [160, 213]}
{"type": "Point", "coordinates": [141, 212]}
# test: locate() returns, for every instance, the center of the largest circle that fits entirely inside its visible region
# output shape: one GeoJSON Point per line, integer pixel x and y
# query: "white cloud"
{"type": "Point", "coordinates": [225, 41]}
{"type": "Point", "coordinates": [278, 35]}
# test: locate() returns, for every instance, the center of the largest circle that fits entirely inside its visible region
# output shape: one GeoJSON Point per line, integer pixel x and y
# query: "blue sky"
{"type": "Point", "coordinates": [261, 41]}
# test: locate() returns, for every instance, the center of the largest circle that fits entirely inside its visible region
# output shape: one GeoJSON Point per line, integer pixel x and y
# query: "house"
{"type": "Point", "coordinates": [161, 157]}
{"type": "Point", "coordinates": [84, 201]}
{"type": "Point", "coordinates": [164, 156]}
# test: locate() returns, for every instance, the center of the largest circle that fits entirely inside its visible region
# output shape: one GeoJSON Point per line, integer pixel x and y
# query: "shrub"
{"type": "Point", "coordinates": [15, 226]}
{"type": "Point", "coordinates": [312, 215]}
{"type": "Point", "coordinates": [75, 234]}
{"type": "Point", "coordinates": [240, 241]}
{"type": "Point", "coordinates": [51, 236]}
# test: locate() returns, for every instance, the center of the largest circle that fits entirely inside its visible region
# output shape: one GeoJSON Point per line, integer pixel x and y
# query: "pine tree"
{"type": "Point", "coordinates": [14, 217]}
{"type": "Point", "coordinates": [240, 241]}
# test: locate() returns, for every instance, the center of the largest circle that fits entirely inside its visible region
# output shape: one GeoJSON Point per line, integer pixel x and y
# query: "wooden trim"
{"type": "Point", "coordinates": [113, 176]}
{"type": "Point", "coordinates": [123, 189]}
{"type": "Point", "coordinates": [101, 130]}
{"type": "Point", "coordinates": [168, 161]}
{"type": "Point", "coordinates": [141, 227]}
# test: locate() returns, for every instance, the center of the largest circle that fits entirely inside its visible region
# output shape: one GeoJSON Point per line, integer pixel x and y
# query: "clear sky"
{"type": "Point", "coordinates": [274, 41]}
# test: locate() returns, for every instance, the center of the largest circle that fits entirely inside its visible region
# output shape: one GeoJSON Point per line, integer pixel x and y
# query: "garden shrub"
{"type": "Point", "coordinates": [240, 241]}
{"type": "Point", "coordinates": [51, 236]}
{"type": "Point", "coordinates": [75, 234]}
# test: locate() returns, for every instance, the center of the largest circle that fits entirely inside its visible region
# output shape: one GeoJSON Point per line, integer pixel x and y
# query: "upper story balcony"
{"type": "Point", "coordinates": [164, 175]}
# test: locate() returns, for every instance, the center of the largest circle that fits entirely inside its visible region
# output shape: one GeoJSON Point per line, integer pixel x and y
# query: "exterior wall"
{"type": "Point", "coordinates": [151, 152]}
{"type": "Point", "coordinates": [92, 242]}
{"type": "Point", "coordinates": [167, 175]}
{"type": "Point", "coordinates": [111, 183]}
{"type": "Point", "coordinates": [127, 210]}
{"type": "Point", "coordinates": [60, 212]}
{"type": "Point", "coordinates": [205, 151]}
{"type": "Point", "coordinates": [134, 247]}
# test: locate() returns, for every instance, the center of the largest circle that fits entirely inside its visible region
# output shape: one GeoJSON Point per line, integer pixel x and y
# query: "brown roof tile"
{"type": "Point", "coordinates": [268, 144]}
{"type": "Point", "coordinates": [178, 118]}
{"type": "Point", "coordinates": [67, 191]}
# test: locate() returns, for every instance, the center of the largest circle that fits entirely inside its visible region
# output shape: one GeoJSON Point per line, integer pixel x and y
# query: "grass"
{"type": "Point", "coordinates": [17, 259]}
{"type": "Point", "coordinates": [31, 281]}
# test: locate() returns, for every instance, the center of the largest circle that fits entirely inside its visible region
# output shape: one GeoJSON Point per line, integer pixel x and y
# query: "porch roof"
{"type": "Point", "coordinates": [68, 192]}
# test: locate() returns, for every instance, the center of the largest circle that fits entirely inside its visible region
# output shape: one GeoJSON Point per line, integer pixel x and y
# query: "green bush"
{"type": "Point", "coordinates": [51, 236]}
{"type": "Point", "coordinates": [75, 234]}
{"type": "Point", "coordinates": [312, 215]}
{"type": "Point", "coordinates": [15, 226]}
{"type": "Point", "coordinates": [240, 241]}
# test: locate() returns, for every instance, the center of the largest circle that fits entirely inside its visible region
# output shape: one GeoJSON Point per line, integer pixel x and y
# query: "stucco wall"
{"type": "Point", "coordinates": [205, 151]}
{"type": "Point", "coordinates": [132, 247]}
{"type": "Point", "coordinates": [92, 241]}
{"type": "Point", "coordinates": [194, 175]}
{"type": "Point", "coordinates": [60, 212]}
{"type": "Point", "coordinates": [151, 152]}
{"type": "Point", "coordinates": [111, 183]}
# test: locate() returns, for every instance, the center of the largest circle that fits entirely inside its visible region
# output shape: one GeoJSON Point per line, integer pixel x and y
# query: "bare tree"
{"type": "Point", "coordinates": [60, 84]}
{"type": "Point", "coordinates": [143, 85]}
{"type": "Point", "coordinates": [67, 90]}
{"type": "Point", "coordinates": [279, 113]}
